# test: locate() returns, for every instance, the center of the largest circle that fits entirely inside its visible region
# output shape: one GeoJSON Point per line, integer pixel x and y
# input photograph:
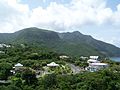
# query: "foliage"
{"type": "Point", "coordinates": [34, 58]}
{"type": "Point", "coordinates": [5, 70]}
{"type": "Point", "coordinates": [29, 76]}
{"type": "Point", "coordinates": [49, 81]}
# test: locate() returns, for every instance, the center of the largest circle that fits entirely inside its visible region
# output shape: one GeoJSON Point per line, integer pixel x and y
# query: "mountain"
{"type": "Point", "coordinates": [5, 37]}
{"type": "Point", "coordinates": [74, 43]}
{"type": "Point", "coordinates": [35, 35]}
{"type": "Point", "coordinates": [102, 47]}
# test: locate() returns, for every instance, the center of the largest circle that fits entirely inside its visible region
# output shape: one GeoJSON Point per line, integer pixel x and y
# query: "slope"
{"type": "Point", "coordinates": [74, 43]}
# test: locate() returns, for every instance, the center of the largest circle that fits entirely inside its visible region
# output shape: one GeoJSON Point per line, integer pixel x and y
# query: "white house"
{"type": "Point", "coordinates": [52, 64]}
{"type": "Point", "coordinates": [63, 57]}
{"type": "Point", "coordinates": [94, 57]}
{"type": "Point", "coordinates": [84, 58]}
{"type": "Point", "coordinates": [92, 61]}
{"type": "Point", "coordinates": [4, 45]}
{"type": "Point", "coordinates": [96, 66]}
{"type": "Point", "coordinates": [18, 66]}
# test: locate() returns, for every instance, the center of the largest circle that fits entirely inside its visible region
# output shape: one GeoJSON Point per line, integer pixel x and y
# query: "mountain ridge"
{"type": "Point", "coordinates": [71, 43]}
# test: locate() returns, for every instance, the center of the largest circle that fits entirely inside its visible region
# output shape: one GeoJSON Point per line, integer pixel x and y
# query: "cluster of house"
{"type": "Point", "coordinates": [19, 66]}
{"type": "Point", "coordinates": [4, 45]}
{"type": "Point", "coordinates": [95, 64]}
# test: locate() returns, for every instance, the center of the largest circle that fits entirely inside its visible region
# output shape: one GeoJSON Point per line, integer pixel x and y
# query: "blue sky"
{"type": "Point", "coordinates": [44, 3]}
{"type": "Point", "coordinates": [113, 3]}
{"type": "Point", "coordinates": [98, 18]}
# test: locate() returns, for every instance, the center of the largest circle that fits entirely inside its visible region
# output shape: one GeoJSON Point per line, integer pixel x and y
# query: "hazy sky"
{"type": "Point", "coordinates": [98, 18]}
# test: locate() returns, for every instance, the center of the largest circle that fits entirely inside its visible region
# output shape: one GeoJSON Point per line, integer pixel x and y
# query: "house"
{"type": "Point", "coordinates": [63, 57]}
{"type": "Point", "coordinates": [18, 66]}
{"type": "Point", "coordinates": [96, 66]}
{"type": "Point", "coordinates": [52, 64]}
{"type": "Point", "coordinates": [84, 58]}
{"type": "Point", "coordinates": [4, 45]}
{"type": "Point", "coordinates": [92, 61]}
{"type": "Point", "coordinates": [94, 57]}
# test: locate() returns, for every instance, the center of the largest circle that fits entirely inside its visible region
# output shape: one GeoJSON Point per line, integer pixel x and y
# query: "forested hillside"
{"type": "Point", "coordinates": [73, 43]}
{"type": "Point", "coordinates": [35, 59]}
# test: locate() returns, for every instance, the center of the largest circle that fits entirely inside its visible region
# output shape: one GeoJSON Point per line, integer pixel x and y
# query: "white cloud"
{"type": "Point", "coordinates": [76, 14]}
{"type": "Point", "coordinates": [13, 16]}
{"type": "Point", "coordinates": [116, 16]}
{"type": "Point", "coordinates": [60, 17]}
{"type": "Point", "coordinates": [57, 16]}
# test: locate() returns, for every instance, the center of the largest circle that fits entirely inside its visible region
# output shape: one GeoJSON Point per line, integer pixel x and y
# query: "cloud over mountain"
{"type": "Point", "coordinates": [15, 15]}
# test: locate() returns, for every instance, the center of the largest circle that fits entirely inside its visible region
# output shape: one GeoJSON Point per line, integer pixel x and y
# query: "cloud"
{"type": "Point", "coordinates": [15, 15]}
{"type": "Point", "coordinates": [116, 16]}
{"type": "Point", "coordinates": [75, 14]}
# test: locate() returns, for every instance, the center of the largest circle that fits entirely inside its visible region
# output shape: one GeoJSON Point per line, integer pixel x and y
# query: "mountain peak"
{"type": "Point", "coordinates": [34, 34]}
{"type": "Point", "coordinates": [76, 32]}
{"type": "Point", "coordinates": [31, 29]}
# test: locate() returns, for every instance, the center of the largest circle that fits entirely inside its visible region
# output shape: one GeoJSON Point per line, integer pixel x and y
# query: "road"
{"type": "Point", "coordinates": [74, 68]}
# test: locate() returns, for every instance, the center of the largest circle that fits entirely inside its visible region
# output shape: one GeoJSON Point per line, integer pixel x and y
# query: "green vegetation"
{"type": "Point", "coordinates": [59, 78]}
{"type": "Point", "coordinates": [35, 48]}
{"type": "Point", "coordinates": [5, 70]}
{"type": "Point", "coordinates": [75, 43]}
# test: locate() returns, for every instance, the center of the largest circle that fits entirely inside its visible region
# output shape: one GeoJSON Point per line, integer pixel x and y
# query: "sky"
{"type": "Point", "coordinates": [98, 18]}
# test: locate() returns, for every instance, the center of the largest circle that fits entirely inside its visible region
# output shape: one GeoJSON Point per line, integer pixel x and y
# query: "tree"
{"type": "Point", "coordinates": [9, 87]}
{"type": "Point", "coordinates": [50, 80]}
{"type": "Point", "coordinates": [29, 76]}
{"type": "Point", "coordinates": [5, 70]}
{"type": "Point", "coordinates": [16, 81]}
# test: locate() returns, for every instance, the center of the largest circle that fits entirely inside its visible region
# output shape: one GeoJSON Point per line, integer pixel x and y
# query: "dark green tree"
{"type": "Point", "coordinates": [50, 81]}
{"type": "Point", "coordinates": [5, 70]}
{"type": "Point", "coordinates": [29, 76]}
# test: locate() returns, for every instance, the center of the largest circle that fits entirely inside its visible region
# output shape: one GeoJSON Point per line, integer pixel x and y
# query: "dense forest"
{"type": "Point", "coordinates": [60, 78]}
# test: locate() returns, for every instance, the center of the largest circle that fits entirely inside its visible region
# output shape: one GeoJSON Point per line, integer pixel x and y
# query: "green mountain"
{"type": "Point", "coordinates": [73, 43]}
{"type": "Point", "coordinates": [35, 35]}
{"type": "Point", "coordinates": [102, 47]}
